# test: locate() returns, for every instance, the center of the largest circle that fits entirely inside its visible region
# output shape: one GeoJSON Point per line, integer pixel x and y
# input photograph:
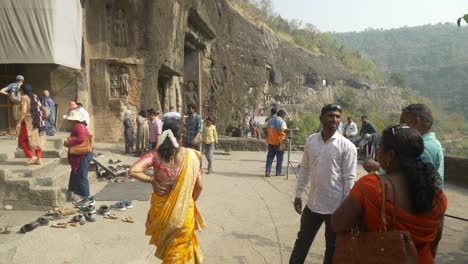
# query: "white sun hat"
{"type": "Point", "coordinates": [74, 116]}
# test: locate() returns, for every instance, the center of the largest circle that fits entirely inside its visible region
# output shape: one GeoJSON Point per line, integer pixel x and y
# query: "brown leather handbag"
{"type": "Point", "coordinates": [382, 247]}
{"type": "Point", "coordinates": [84, 148]}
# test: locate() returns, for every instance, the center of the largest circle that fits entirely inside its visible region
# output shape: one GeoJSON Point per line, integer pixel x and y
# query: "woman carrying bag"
{"type": "Point", "coordinates": [400, 213]}
{"type": "Point", "coordinates": [79, 155]}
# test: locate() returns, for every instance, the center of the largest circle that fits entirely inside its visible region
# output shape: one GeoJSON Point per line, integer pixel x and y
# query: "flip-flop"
{"type": "Point", "coordinates": [60, 225]}
{"type": "Point", "coordinates": [6, 230]}
{"type": "Point", "coordinates": [74, 224]}
{"type": "Point", "coordinates": [111, 216]}
{"type": "Point", "coordinates": [42, 221]}
{"type": "Point", "coordinates": [128, 219]}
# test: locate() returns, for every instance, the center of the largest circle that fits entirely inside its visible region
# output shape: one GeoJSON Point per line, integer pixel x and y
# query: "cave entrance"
{"type": "Point", "coordinates": [190, 88]}
{"type": "Point", "coordinates": [163, 85]}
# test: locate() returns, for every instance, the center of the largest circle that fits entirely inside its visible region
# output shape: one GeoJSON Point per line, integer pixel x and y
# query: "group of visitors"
{"type": "Point", "coordinates": [195, 133]}
{"type": "Point", "coordinates": [409, 158]}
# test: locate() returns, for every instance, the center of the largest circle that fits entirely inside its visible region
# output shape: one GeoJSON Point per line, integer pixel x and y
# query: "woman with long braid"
{"type": "Point", "coordinates": [420, 201]}
{"type": "Point", "coordinates": [30, 126]}
{"type": "Point", "coordinates": [177, 182]}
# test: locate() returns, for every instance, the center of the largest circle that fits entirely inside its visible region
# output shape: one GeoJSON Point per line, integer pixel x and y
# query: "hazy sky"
{"type": "Point", "coordinates": [357, 15]}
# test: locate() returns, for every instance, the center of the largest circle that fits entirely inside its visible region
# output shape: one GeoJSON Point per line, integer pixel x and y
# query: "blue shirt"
{"type": "Point", "coordinates": [12, 85]}
{"type": "Point", "coordinates": [434, 154]}
{"type": "Point", "coordinates": [193, 124]}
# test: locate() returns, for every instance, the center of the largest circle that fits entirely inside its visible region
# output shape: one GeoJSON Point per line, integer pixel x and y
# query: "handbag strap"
{"type": "Point", "coordinates": [395, 202]}
{"type": "Point", "coordinates": [382, 206]}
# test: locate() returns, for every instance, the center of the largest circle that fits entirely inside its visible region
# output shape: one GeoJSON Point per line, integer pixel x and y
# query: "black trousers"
{"type": "Point", "coordinates": [310, 225]}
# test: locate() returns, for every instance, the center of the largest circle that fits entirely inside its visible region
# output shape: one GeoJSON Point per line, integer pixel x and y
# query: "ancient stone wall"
{"type": "Point", "coordinates": [155, 54]}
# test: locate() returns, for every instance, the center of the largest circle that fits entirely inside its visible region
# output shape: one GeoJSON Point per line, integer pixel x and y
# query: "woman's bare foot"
{"type": "Point", "coordinates": [38, 162]}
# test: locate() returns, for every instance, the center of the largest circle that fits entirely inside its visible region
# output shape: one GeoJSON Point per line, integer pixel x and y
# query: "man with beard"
{"type": "Point", "coordinates": [329, 165]}
{"type": "Point", "coordinates": [193, 128]}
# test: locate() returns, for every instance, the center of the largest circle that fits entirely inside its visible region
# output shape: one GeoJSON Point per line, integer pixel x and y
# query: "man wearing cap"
{"type": "Point", "coordinates": [329, 164]}
{"type": "Point", "coordinates": [15, 88]}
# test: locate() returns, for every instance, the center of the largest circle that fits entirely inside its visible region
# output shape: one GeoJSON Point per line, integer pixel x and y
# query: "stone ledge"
{"type": "Point", "coordinates": [241, 144]}
{"type": "Point", "coordinates": [455, 170]}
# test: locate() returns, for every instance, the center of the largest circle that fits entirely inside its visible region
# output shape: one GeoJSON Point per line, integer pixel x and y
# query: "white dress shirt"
{"type": "Point", "coordinates": [351, 129]}
{"type": "Point", "coordinates": [330, 167]}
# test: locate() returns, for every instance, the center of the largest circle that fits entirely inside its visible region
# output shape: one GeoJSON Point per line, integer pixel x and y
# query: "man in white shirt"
{"type": "Point", "coordinates": [351, 129]}
{"type": "Point", "coordinates": [329, 164]}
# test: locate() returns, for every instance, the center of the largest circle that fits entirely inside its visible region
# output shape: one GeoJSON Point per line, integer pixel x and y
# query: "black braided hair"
{"type": "Point", "coordinates": [36, 113]}
{"type": "Point", "coordinates": [420, 175]}
{"type": "Point", "coordinates": [167, 149]}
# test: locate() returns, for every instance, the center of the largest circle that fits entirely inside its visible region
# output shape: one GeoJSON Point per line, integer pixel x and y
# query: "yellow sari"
{"type": "Point", "coordinates": [172, 219]}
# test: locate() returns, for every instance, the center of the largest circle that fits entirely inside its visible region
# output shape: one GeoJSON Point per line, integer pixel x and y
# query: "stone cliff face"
{"type": "Point", "coordinates": [155, 54]}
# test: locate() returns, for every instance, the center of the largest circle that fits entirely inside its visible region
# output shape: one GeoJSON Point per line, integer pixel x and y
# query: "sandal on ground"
{"type": "Point", "coordinates": [42, 221]}
{"type": "Point", "coordinates": [29, 227]}
{"type": "Point", "coordinates": [128, 219]}
{"type": "Point", "coordinates": [31, 161]}
{"type": "Point", "coordinates": [6, 230]}
{"type": "Point", "coordinates": [38, 162]}
{"type": "Point", "coordinates": [111, 216]}
{"type": "Point", "coordinates": [55, 216]}
{"type": "Point", "coordinates": [60, 225]}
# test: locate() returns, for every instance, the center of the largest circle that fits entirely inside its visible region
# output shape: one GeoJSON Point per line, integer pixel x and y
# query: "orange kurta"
{"type": "Point", "coordinates": [173, 219]}
{"type": "Point", "coordinates": [423, 228]}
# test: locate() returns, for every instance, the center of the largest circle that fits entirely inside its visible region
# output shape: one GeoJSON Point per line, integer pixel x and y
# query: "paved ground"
{"type": "Point", "coordinates": [250, 220]}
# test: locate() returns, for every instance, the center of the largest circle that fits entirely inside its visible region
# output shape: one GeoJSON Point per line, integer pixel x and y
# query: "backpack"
{"type": "Point", "coordinates": [15, 94]}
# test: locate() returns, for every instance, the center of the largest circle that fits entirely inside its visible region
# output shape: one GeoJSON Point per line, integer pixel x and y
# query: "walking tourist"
{"type": "Point", "coordinates": [193, 128]}
{"type": "Point", "coordinates": [155, 128]}
{"type": "Point", "coordinates": [419, 117]}
{"type": "Point", "coordinates": [48, 102]}
{"type": "Point", "coordinates": [30, 126]}
{"type": "Point", "coordinates": [128, 131]}
{"type": "Point", "coordinates": [329, 166]}
{"type": "Point", "coordinates": [413, 181]}
{"type": "Point", "coordinates": [276, 134]}
{"type": "Point", "coordinates": [177, 183]}
{"type": "Point", "coordinates": [209, 139]}
{"type": "Point", "coordinates": [78, 184]}
{"type": "Point", "coordinates": [142, 138]}
{"type": "Point", "coordinates": [14, 91]}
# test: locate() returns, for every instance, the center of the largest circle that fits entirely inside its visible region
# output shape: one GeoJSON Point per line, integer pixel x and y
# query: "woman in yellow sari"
{"type": "Point", "coordinates": [177, 183]}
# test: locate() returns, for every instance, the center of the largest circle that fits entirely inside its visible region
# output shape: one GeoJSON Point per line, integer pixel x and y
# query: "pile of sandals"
{"type": "Point", "coordinates": [60, 218]}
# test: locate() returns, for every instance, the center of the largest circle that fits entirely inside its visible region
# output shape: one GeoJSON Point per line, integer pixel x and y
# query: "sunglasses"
{"type": "Point", "coordinates": [395, 128]}
{"type": "Point", "coordinates": [330, 107]}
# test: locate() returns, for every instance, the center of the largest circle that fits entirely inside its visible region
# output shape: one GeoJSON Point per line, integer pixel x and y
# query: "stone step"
{"type": "Point", "coordinates": [45, 154]}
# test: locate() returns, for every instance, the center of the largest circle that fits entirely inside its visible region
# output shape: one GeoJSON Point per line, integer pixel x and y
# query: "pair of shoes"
{"type": "Point", "coordinates": [78, 219]}
{"type": "Point", "coordinates": [85, 202]}
{"type": "Point", "coordinates": [90, 217]}
{"type": "Point", "coordinates": [55, 216]}
{"type": "Point", "coordinates": [88, 209]}
{"type": "Point", "coordinates": [122, 205]}
{"type": "Point", "coordinates": [128, 219]}
{"type": "Point", "coordinates": [104, 210]}
{"type": "Point", "coordinates": [111, 216]}
{"type": "Point", "coordinates": [267, 174]}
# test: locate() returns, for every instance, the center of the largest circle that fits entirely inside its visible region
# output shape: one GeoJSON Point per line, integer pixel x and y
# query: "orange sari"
{"type": "Point", "coordinates": [423, 228]}
{"type": "Point", "coordinates": [173, 219]}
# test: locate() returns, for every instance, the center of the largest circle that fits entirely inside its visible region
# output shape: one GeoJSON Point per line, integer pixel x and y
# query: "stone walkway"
{"type": "Point", "coordinates": [250, 220]}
